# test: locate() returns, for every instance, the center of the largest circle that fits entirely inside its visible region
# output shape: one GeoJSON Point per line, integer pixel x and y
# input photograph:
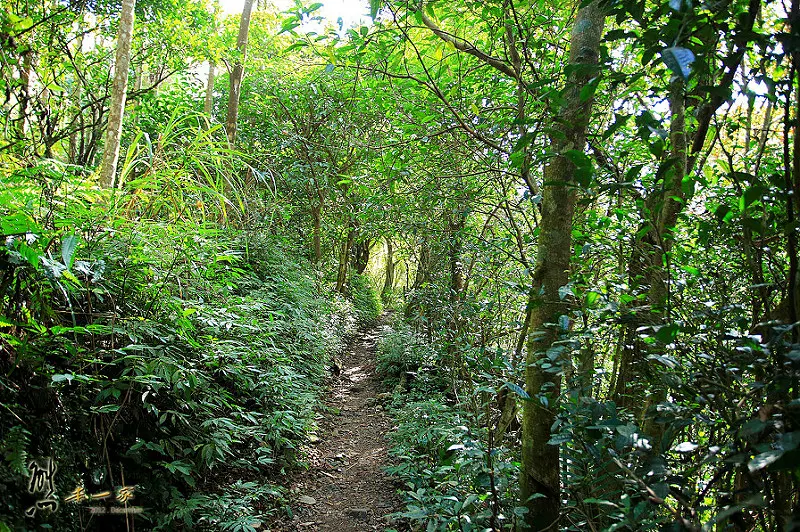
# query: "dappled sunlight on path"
{"type": "Point", "coordinates": [346, 488]}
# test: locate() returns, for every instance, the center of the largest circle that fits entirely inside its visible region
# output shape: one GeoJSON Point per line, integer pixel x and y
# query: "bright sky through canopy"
{"type": "Point", "coordinates": [352, 12]}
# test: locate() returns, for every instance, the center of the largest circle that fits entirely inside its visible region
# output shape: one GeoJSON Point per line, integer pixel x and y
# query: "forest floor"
{"type": "Point", "coordinates": [346, 488]}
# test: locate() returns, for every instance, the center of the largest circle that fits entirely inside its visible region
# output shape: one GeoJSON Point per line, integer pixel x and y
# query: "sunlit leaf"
{"type": "Point", "coordinates": [678, 60]}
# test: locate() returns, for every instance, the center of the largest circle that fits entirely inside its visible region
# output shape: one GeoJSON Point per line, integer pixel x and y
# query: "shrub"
{"type": "Point", "coordinates": [400, 351]}
{"type": "Point", "coordinates": [366, 301]}
{"type": "Point", "coordinates": [454, 480]}
{"type": "Point", "coordinates": [188, 356]}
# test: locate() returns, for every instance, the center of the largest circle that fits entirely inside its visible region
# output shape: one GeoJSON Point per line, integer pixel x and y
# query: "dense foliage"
{"type": "Point", "coordinates": [585, 216]}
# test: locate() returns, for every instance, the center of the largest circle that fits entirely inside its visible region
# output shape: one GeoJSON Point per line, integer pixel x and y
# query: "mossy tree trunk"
{"type": "Point", "coordinates": [388, 283]}
{"type": "Point", "coordinates": [540, 489]}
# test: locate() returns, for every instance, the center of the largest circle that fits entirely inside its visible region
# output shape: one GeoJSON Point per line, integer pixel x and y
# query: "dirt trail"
{"type": "Point", "coordinates": [346, 488]}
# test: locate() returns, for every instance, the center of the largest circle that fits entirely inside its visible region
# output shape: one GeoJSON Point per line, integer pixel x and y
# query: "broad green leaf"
{"type": "Point", "coordinates": [18, 224]}
{"type": "Point", "coordinates": [763, 460]}
{"type": "Point", "coordinates": [753, 194]}
{"type": "Point", "coordinates": [667, 333]}
{"type": "Point", "coordinates": [678, 60]}
{"type": "Point", "coordinates": [518, 390]}
{"type": "Point", "coordinates": [68, 245]}
{"type": "Point", "coordinates": [591, 298]}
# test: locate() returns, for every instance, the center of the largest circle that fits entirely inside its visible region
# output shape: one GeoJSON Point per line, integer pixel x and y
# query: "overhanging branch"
{"type": "Point", "coordinates": [467, 47]}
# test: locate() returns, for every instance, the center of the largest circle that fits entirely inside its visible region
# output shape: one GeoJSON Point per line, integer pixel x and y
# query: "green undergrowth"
{"type": "Point", "coordinates": [199, 393]}
{"type": "Point", "coordinates": [366, 300]}
{"type": "Point", "coordinates": [181, 357]}
{"type": "Point", "coordinates": [454, 477]}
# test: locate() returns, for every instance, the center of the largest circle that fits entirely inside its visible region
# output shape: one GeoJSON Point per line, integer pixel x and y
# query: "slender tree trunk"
{"type": "Point", "coordinates": [388, 283]}
{"type": "Point", "coordinates": [75, 152]}
{"type": "Point", "coordinates": [344, 260]}
{"type": "Point", "coordinates": [648, 259]}
{"type": "Point", "coordinates": [360, 252]}
{"type": "Point", "coordinates": [26, 78]}
{"type": "Point", "coordinates": [116, 112]}
{"type": "Point", "coordinates": [414, 306]}
{"type": "Point", "coordinates": [653, 246]}
{"type": "Point", "coordinates": [540, 460]}
{"type": "Point", "coordinates": [507, 402]}
{"type": "Point", "coordinates": [208, 105]}
{"type": "Point", "coordinates": [238, 73]}
{"type": "Point", "coordinates": [792, 177]}
{"type": "Point", "coordinates": [455, 229]}
{"type": "Point", "coordinates": [316, 215]}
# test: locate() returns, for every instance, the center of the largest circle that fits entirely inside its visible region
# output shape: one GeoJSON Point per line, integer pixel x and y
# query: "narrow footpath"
{"type": "Point", "coordinates": [346, 488]}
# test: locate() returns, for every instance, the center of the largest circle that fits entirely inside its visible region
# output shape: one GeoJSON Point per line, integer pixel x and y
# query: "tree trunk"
{"type": "Point", "coordinates": [208, 105]}
{"type": "Point", "coordinates": [316, 215]}
{"type": "Point", "coordinates": [414, 307]}
{"type": "Point", "coordinates": [116, 112]}
{"type": "Point", "coordinates": [344, 260]}
{"type": "Point", "coordinates": [540, 460]}
{"type": "Point", "coordinates": [238, 73]}
{"type": "Point", "coordinates": [648, 258]}
{"type": "Point", "coordinates": [360, 255]}
{"type": "Point", "coordinates": [455, 229]}
{"type": "Point", "coordinates": [653, 246]}
{"type": "Point", "coordinates": [792, 179]}
{"type": "Point", "coordinates": [388, 283]}
{"type": "Point", "coordinates": [26, 80]}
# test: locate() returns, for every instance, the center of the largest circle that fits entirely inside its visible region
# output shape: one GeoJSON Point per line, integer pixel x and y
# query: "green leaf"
{"type": "Point", "coordinates": [374, 7]}
{"type": "Point", "coordinates": [68, 245]}
{"type": "Point", "coordinates": [589, 89]}
{"type": "Point", "coordinates": [763, 460]}
{"type": "Point", "coordinates": [591, 298]}
{"type": "Point", "coordinates": [667, 333]}
{"type": "Point", "coordinates": [691, 270]}
{"type": "Point", "coordinates": [752, 427]}
{"type": "Point", "coordinates": [518, 390]}
{"type": "Point", "coordinates": [627, 430]}
{"type": "Point", "coordinates": [678, 60]}
{"type": "Point", "coordinates": [723, 213]}
{"type": "Point", "coordinates": [753, 194]}
{"type": "Point", "coordinates": [601, 502]}
{"type": "Point", "coordinates": [105, 409]}
{"type": "Point", "coordinates": [558, 439]}
{"type": "Point", "coordinates": [18, 224]}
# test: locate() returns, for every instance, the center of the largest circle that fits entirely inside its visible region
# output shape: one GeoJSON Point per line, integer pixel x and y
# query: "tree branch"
{"type": "Point", "coordinates": [467, 47]}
